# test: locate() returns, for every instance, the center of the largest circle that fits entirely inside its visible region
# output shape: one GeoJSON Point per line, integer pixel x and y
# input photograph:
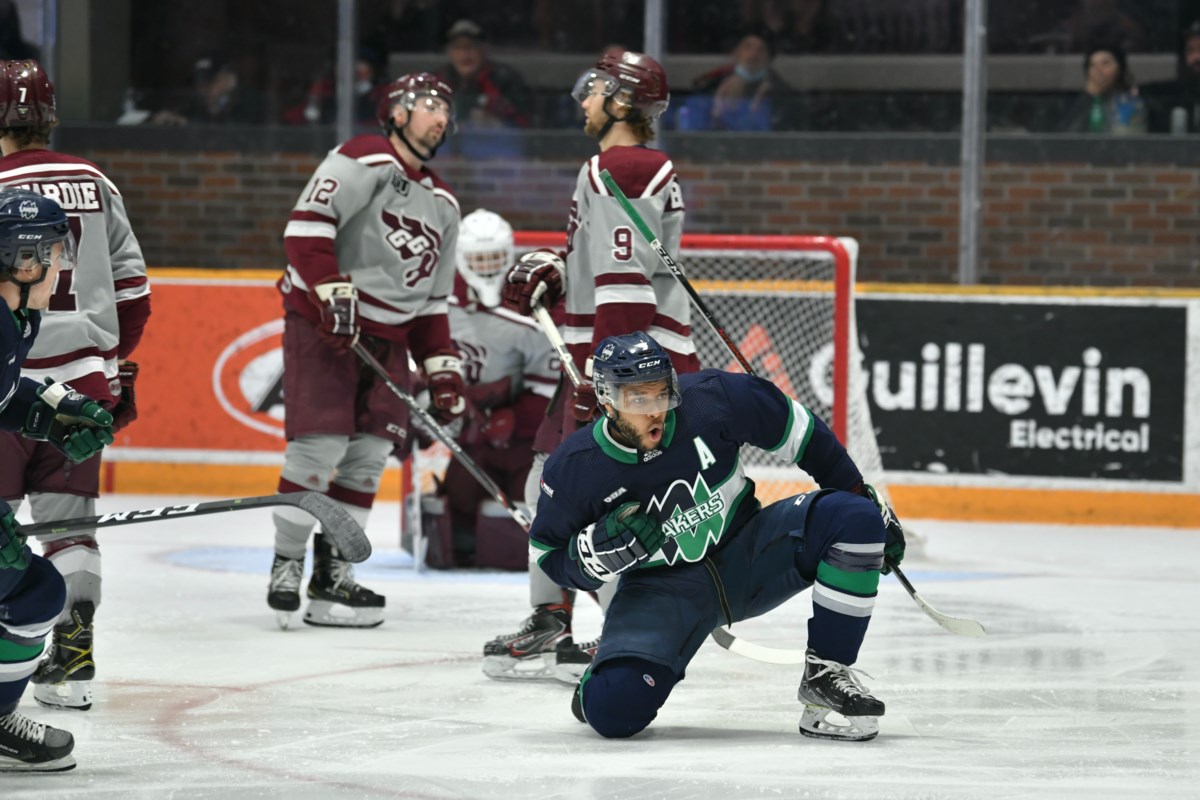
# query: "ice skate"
{"type": "Point", "coordinates": [64, 678]}
{"type": "Point", "coordinates": [532, 652]}
{"type": "Point", "coordinates": [28, 746]}
{"type": "Point", "coordinates": [571, 662]}
{"type": "Point", "coordinates": [829, 687]}
{"type": "Point", "coordinates": [283, 593]}
{"type": "Point", "coordinates": [334, 599]}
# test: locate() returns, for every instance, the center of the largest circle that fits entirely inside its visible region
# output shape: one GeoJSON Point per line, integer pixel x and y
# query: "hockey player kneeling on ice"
{"type": "Point", "coordinates": [654, 495]}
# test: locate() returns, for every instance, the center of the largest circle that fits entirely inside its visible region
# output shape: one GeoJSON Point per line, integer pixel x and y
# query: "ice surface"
{"type": "Point", "coordinates": [1087, 686]}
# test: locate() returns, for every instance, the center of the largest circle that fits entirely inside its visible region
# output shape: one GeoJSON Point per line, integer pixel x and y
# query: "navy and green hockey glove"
{"type": "Point", "coordinates": [620, 540]}
{"type": "Point", "coordinates": [893, 545]}
{"type": "Point", "coordinates": [74, 423]}
{"type": "Point", "coordinates": [14, 553]}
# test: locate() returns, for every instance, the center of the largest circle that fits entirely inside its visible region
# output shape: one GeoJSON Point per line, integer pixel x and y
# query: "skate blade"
{"type": "Point", "coordinates": [570, 673]}
{"type": "Point", "coordinates": [541, 667]}
{"type": "Point", "coordinates": [325, 614]}
{"type": "Point", "coordinates": [57, 765]}
{"type": "Point", "coordinates": [820, 722]}
{"type": "Point", "coordinates": [283, 619]}
{"type": "Point", "coordinates": [69, 695]}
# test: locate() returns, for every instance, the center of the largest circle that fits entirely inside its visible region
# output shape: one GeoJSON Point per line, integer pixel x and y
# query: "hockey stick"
{"type": "Point", "coordinates": [963, 627]}
{"type": "Point", "coordinates": [346, 534]}
{"type": "Point", "coordinates": [427, 420]}
{"type": "Point", "coordinates": [556, 341]}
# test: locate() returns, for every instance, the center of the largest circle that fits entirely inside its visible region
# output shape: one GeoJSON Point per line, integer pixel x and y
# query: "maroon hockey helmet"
{"type": "Point", "coordinates": [406, 89]}
{"type": "Point", "coordinates": [635, 79]}
{"type": "Point", "coordinates": [26, 95]}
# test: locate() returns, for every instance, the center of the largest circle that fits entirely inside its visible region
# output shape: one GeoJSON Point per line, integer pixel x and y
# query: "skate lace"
{"type": "Point", "coordinates": [843, 677]}
{"type": "Point", "coordinates": [590, 646]}
{"type": "Point", "coordinates": [286, 575]}
{"type": "Point", "coordinates": [342, 573]}
{"type": "Point", "coordinates": [23, 727]}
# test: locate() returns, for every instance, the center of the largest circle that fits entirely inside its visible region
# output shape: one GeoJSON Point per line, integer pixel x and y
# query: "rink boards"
{"type": "Point", "coordinates": [1056, 405]}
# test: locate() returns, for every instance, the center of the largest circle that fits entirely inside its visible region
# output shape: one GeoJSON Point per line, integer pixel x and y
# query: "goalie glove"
{"type": "Point", "coordinates": [74, 423]}
{"type": "Point", "coordinates": [620, 540]}
{"type": "Point", "coordinates": [893, 545]}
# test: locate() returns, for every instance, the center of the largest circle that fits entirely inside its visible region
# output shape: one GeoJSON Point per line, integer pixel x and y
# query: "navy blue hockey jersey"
{"type": "Point", "coordinates": [17, 394]}
{"type": "Point", "coordinates": [695, 484]}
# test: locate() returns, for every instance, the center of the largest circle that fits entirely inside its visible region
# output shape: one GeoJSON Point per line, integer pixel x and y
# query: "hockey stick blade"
{"type": "Point", "coordinates": [346, 534]}
{"type": "Point", "coordinates": [956, 625]}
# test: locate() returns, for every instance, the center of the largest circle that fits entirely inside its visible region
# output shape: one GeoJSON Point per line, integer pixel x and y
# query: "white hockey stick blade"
{"type": "Point", "coordinates": [956, 625]}
{"type": "Point", "coordinates": [756, 652]}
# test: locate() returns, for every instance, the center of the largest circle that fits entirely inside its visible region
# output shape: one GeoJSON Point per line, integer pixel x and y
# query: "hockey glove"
{"type": "Point", "coordinates": [337, 299]}
{"type": "Point", "coordinates": [583, 403]}
{"type": "Point", "coordinates": [620, 540]}
{"type": "Point", "coordinates": [893, 545]}
{"type": "Point", "coordinates": [125, 411]}
{"type": "Point", "coordinates": [14, 554]}
{"type": "Point", "coordinates": [446, 387]}
{"type": "Point", "coordinates": [72, 422]}
{"type": "Point", "coordinates": [499, 428]}
{"type": "Point", "coordinates": [537, 278]}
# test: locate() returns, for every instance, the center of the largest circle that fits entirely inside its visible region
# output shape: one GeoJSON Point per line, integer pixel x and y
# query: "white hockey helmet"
{"type": "Point", "coordinates": [485, 252]}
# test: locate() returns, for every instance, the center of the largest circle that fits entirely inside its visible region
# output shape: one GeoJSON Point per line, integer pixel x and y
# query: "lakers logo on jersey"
{"type": "Point", "coordinates": [415, 242]}
{"type": "Point", "coordinates": [694, 518]}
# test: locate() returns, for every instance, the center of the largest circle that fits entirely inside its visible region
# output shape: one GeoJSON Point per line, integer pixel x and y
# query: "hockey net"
{"type": "Point", "coordinates": [787, 302]}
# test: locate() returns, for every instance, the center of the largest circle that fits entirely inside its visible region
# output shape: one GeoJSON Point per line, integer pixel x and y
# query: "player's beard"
{"type": "Point", "coordinates": [628, 435]}
{"type": "Point", "coordinates": [592, 128]}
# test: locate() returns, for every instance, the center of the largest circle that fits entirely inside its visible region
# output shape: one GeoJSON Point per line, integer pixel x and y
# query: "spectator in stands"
{"type": "Point", "coordinates": [743, 95]}
{"type": "Point", "coordinates": [1110, 102]}
{"type": "Point", "coordinates": [320, 105]}
{"type": "Point", "coordinates": [795, 26]}
{"type": "Point", "coordinates": [1175, 105]}
{"type": "Point", "coordinates": [1101, 21]}
{"type": "Point", "coordinates": [486, 94]}
{"type": "Point", "coordinates": [216, 97]}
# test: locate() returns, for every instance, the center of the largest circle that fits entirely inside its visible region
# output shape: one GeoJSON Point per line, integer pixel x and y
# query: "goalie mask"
{"type": "Point", "coordinates": [485, 252]}
{"type": "Point", "coordinates": [622, 363]}
{"type": "Point", "coordinates": [631, 79]}
{"type": "Point", "coordinates": [35, 236]}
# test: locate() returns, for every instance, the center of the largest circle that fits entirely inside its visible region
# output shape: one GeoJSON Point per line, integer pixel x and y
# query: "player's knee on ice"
{"type": "Point", "coordinates": [621, 697]}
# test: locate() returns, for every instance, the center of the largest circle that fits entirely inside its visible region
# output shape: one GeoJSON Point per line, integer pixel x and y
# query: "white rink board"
{"type": "Point", "coordinates": [1088, 685]}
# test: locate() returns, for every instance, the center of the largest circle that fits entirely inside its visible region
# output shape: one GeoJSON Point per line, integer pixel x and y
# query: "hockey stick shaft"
{"type": "Point", "coordinates": [346, 534]}
{"type": "Point", "coordinates": [426, 419]}
{"type": "Point", "coordinates": [675, 269]}
{"type": "Point", "coordinates": [719, 330]}
{"type": "Point", "coordinates": [556, 341]}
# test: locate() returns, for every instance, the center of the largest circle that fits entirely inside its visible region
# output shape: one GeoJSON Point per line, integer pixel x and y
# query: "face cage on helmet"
{"type": "Point", "coordinates": [609, 393]}
{"type": "Point", "coordinates": [40, 254]}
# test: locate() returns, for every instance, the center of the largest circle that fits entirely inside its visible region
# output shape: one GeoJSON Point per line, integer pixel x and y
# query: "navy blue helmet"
{"type": "Point", "coordinates": [632, 359]}
{"type": "Point", "coordinates": [30, 226]}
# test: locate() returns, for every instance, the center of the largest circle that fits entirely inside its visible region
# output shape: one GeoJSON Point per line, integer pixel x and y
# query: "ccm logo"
{"type": "Point", "coordinates": [649, 364]}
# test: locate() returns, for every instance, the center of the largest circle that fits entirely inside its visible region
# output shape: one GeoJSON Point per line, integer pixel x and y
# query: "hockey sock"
{"type": "Point", "coordinates": [843, 599]}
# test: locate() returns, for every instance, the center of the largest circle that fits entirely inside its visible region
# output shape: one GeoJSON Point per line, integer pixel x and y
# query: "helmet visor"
{"type": "Point", "coordinates": [433, 104]}
{"type": "Point", "coordinates": [653, 397]}
{"type": "Point", "coordinates": [33, 261]}
{"type": "Point", "coordinates": [594, 82]}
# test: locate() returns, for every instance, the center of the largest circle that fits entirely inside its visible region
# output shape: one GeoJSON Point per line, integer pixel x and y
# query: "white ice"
{"type": "Point", "coordinates": [1088, 684]}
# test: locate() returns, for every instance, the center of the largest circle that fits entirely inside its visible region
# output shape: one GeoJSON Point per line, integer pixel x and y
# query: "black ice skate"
{"type": "Point", "coordinates": [830, 687]}
{"type": "Point", "coordinates": [64, 678]}
{"type": "Point", "coordinates": [283, 593]}
{"type": "Point", "coordinates": [335, 600]}
{"type": "Point", "coordinates": [532, 652]}
{"type": "Point", "coordinates": [571, 662]}
{"type": "Point", "coordinates": [28, 746]}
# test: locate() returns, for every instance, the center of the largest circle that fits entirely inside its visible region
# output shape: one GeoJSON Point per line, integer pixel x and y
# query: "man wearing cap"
{"type": "Point", "coordinates": [486, 94]}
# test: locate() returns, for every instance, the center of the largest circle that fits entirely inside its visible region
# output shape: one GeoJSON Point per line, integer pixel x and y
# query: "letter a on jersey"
{"type": "Point", "coordinates": [707, 459]}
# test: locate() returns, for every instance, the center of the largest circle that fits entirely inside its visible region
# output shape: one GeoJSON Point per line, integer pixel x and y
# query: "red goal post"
{"type": "Point", "coordinates": [788, 303]}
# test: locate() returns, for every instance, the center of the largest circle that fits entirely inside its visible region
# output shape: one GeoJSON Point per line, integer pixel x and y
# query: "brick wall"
{"type": "Point", "coordinates": [1133, 224]}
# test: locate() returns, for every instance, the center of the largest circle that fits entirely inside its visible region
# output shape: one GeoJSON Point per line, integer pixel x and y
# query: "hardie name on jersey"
{"type": "Point", "coordinates": [71, 195]}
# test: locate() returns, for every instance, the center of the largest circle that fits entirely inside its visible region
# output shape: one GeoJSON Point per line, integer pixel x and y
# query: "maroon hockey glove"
{"type": "Point", "coordinates": [498, 431]}
{"type": "Point", "coordinates": [536, 278]}
{"type": "Point", "coordinates": [583, 403]}
{"type": "Point", "coordinates": [125, 410]}
{"type": "Point", "coordinates": [446, 386]}
{"type": "Point", "coordinates": [337, 299]}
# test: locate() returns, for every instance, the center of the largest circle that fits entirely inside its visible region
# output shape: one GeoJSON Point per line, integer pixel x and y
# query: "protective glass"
{"type": "Point", "coordinates": [34, 261]}
{"type": "Point", "coordinates": [592, 82]}
{"type": "Point", "coordinates": [655, 397]}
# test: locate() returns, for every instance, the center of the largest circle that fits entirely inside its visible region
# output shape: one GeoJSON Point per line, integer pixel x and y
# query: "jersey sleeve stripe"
{"type": "Point", "coordinates": [610, 278]}
{"type": "Point", "coordinates": [607, 295]}
{"type": "Point", "coordinates": [449, 198]}
{"type": "Point", "coordinates": [314, 230]}
{"type": "Point", "coordinates": [594, 176]}
{"type": "Point", "coordinates": [660, 179]}
{"type": "Point", "coordinates": [797, 434]}
{"type": "Point", "coordinates": [312, 216]}
{"type": "Point", "coordinates": [681, 345]}
{"type": "Point", "coordinates": [35, 171]}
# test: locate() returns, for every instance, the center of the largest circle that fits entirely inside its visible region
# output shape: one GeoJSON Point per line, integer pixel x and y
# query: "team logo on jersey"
{"type": "Point", "coordinates": [695, 518]}
{"type": "Point", "coordinates": [415, 242]}
{"type": "Point", "coordinates": [248, 378]}
{"type": "Point", "coordinates": [401, 184]}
